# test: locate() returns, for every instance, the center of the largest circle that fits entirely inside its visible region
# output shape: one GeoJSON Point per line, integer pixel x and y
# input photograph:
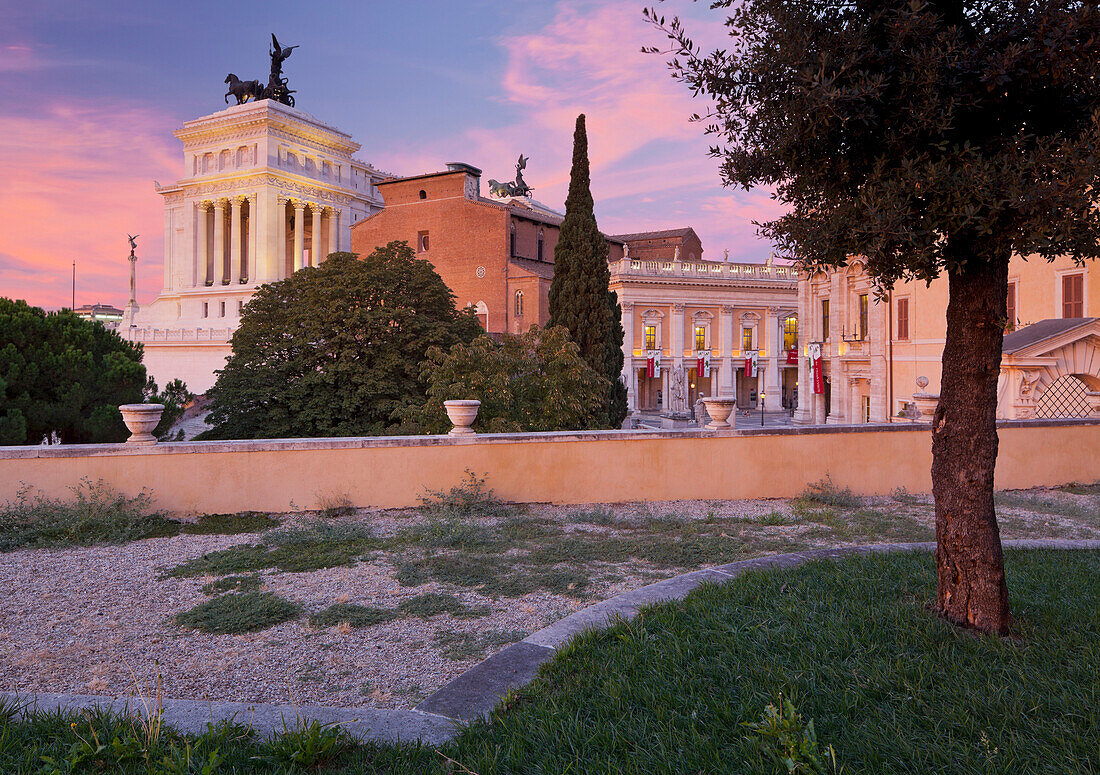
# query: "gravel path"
{"type": "Point", "coordinates": [97, 620]}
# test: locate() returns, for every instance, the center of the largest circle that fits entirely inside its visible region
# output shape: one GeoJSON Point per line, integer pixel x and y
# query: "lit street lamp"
{"type": "Point", "coordinates": [761, 409]}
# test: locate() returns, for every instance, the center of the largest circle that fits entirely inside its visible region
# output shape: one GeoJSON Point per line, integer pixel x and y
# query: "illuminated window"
{"type": "Point", "coordinates": [651, 337]}
{"type": "Point", "coordinates": [1011, 308]}
{"type": "Point", "coordinates": [824, 320]}
{"type": "Point", "coordinates": [700, 337]}
{"type": "Point", "coordinates": [519, 304]}
{"type": "Point", "coordinates": [790, 333]}
{"type": "Point", "coordinates": [903, 318]}
{"type": "Point", "coordinates": [746, 338]}
{"type": "Point", "coordinates": [422, 242]}
{"type": "Point", "coordinates": [1073, 296]}
{"type": "Point", "coordinates": [863, 316]}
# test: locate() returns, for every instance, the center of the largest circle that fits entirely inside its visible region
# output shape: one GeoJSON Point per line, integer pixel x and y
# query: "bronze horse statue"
{"type": "Point", "coordinates": [243, 90]}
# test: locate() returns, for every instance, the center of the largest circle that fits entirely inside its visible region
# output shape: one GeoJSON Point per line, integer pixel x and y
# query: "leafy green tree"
{"type": "Point", "coordinates": [175, 399]}
{"type": "Point", "coordinates": [335, 350]}
{"type": "Point", "coordinates": [579, 296]}
{"type": "Point", "coordinates": [932, 137]}
{"type": "Point", "coordinates": [534, 382]}
{"type": "Point", "coordinates": [63, 376]}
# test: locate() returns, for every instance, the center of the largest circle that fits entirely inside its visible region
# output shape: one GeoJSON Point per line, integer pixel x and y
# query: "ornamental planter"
{"type": "Point", "coordinates": [719, 409]}
{"type": "Point", "coordinates": [462, 415]}
{"type": "Point", "coordinates": [141, 419]}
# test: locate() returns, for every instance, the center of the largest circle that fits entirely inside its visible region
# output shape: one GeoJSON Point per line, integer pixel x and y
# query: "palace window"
{"type": "Point", "coordinates": [746, 338]}
{"type": "Point", "coordinates": [519, 304]}
{"type": "Point", "coordinates": [222, 313]}
{"type": "Point", "coordinates": [903, 318]}
{"type": "Point", "coordinates": [824, 320]}
{"type": "Point", "coordinates": [863, 316]}
{"type": "Point", "coordinates": [1010, 314]}
{"type": "Point", "coordinates": [1073, 296]}
{"type": "Point", "coordinates": [790, 332]}
{"type": "Point", "coordinates": [651, 337]}
{"type": "Point", "coordinates": [422, 242]}
{"type": "Point", "coordinates": [700, 337]}
{"type": "Point", "coordinates": [240, 308]}
{"type": "Point", "coordinates": [206, 309]}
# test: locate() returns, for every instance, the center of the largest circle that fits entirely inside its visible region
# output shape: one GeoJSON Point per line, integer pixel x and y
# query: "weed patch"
{"type": "Point", "coordinates": [468, 645]}
{"type": "Point", "coordinates": [432, 604]}
{"type": "Point", "coordinates": [230, 524]}
{"type": "Point", "coordinates": [232, 614]}
{"type": "Point", "coordinates": [96, 514]}
{"type": "Point", "coordinates": [1042, 503]}
{"type": "Point", "coordinates": [354, 615]}
{"type": "Point", "coordinates": [469, 498]}
{"type": "Point", "coordinates": [239, 583]}
{"type": "Point", "coordinates": [825, 493]}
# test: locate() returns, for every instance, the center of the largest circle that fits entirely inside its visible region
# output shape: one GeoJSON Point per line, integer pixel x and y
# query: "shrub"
{"type": "Point", "coordinates": [231, 524]}
{"type": "Point", "coordinates": [232, 614]}
{"type": "Point", "coordinates": [825, 493]}
{"type": "Point", "coordinates": [470, 497]}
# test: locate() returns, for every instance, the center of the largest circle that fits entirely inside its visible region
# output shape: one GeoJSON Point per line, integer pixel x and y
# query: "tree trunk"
{"type": "Point", "coordinates": [969, 561]}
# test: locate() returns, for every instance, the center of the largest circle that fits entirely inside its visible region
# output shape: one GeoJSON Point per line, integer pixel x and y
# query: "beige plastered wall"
{"type": "Point", "coordinates": [587, 467]}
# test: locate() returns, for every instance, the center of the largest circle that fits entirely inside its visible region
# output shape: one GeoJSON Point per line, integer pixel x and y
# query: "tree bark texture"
{"type": "Point", "coordinates": [971, 589]}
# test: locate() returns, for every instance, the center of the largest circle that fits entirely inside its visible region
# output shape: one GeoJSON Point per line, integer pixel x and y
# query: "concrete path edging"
{"type": "Point", "coordinates": [476, 692]}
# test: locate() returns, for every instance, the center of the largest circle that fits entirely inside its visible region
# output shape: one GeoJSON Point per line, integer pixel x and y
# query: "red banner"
{"type": "Point", "coordinates": [792, 356]}
{"type": "Point", "coordinates": [748, 365]}
{"type": "Point", "coordinates": [700, 366]}
{"type": "Point", "coordinates": [649, 367]}
{"type": "Point", "coordinates": [815, 367]}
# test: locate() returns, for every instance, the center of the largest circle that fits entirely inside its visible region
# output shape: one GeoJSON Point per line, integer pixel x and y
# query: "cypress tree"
{"type": "Point", "coordinates": [579, 295]}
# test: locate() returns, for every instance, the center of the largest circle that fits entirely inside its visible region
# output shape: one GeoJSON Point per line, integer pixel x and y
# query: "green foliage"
{"type": "Point", "coordinates": [230, 524]}
{"type": "Point", "coordinates": [469, 645]}
{"type": "Point", "coordinates": [306, 744]}
{"type": "Point", "coordinates": [433, 604]}
{"type": "Point", "coordinates": [791, 744]}
{"type": "Point", "coordinates": [97, 514]}
{"type": "Point", "coordinates": [353, 615]}
{"type": "Point", "coordinates": [468, 498]}
{"type": "Point", "coordinates": [236, 613]}
{"type": "Point", "coordinates": [533, 382]}
{"type": "Point", "coordinates": [579, 296]}
{"type": "Point", "coordinates": [825, 493]}
{"type": "Point", "coordinates": [335, 350]}
{"type": "Point", "coordinates": [925, 136]}
{"type": "Point", "coordinates": [175, 399]}
{"type": "Point", "coordinates": [65, 376]}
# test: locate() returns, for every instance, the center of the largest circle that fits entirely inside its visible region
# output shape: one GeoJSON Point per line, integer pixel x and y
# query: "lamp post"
{"type": "Point", "coordinates": [761, 409]}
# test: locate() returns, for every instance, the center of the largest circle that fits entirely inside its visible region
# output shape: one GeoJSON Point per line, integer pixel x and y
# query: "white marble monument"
{"type": "Point", "coordinates": [267, 189]}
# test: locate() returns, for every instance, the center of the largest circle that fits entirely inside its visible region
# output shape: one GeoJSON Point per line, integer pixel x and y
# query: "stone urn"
{"type": "Point", "coordinates": [926, 403]}
{"type": "Point", "coordinates": [141, 419]}
{"type": "Point", "coordinates": [719, 409]}
{"type": "Point", "coordinates": [462, 415]}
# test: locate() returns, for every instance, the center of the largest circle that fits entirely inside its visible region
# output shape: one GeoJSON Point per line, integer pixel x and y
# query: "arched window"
{"type": "Point", "coordinates": [512, 241]}
{"type": "Point", "coordinates": [423, 194]}
{"type": "Point", "coordinates": [519, 304]}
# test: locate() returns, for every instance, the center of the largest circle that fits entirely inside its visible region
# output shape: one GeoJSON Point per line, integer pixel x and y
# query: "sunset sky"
{"type": "Point", "coordinates": [90, 94]}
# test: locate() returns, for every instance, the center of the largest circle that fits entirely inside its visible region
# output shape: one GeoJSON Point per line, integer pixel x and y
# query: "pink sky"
{"type": "Point", "coordinates": [79, 171]}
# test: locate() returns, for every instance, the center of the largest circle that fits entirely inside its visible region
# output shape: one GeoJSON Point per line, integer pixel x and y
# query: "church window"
{"type": "Point", "coordinates": [512, 241]}
{"type": "Point", "coordinates": [519, 304]}
{"type": "Point", "coordinates": [700, 337]}
{"type": "Point", "coordinates": [423, 194]}
{"type": "Point", "coordinates": [1073, 296]}
{"type": "Point", "coordinates": [651, 337]}
{"type": "Point", "coordinates": [538, 247]}
{"type": "Point", "coordinates": [422, 242]}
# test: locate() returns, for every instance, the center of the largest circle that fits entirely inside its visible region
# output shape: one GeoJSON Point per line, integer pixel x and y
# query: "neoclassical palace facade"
{"type": "Point", "coordinates": [267, 189]}
{"type": "Point", "coordinates": [881, 357]}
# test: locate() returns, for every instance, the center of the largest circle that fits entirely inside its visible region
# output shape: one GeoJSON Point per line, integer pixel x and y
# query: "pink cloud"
{"type": "Point", "coordinates": [79, 178]}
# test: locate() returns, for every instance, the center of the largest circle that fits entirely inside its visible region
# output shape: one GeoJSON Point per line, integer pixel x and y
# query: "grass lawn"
{"type": "Point", "coordinates": [892, 688]}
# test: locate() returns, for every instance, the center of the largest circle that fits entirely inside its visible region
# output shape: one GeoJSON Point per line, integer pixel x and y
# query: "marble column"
{"type": "Point", "coordinates": [202, 254]}
{"type": "Point", "coordinates": [728, 339]}
{"type": "Point", "coordinates": [855, 411]}
{"type": "Point", "coordinates": [253, 268]}
{"type": "Point", "coordinates": [628, 351]}
{"type": "Point", "coordinates": [219, 242]}
{"type": "Point", "coordinates": [773, 384]}
{"type": "Point", "coordinates": [315, 256]}
{"type": "Point", "coordinates": [333, 229]}
{"type": "Point", "coordinates": [299, 233]}
{"type": "Point", "coordinates": [277, 268]}
{"type": "Point", "coordinates": [235, 240]}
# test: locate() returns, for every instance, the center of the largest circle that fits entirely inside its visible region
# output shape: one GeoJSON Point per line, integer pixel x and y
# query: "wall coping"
{"type": "Point", "coordinates": [361, 442]}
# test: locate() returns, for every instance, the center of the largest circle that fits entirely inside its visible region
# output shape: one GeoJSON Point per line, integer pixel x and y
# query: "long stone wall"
{"type": "Point", "coordinates": [598, 466]}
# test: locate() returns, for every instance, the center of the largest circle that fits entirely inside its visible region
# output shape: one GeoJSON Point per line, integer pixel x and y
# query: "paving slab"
{"type": "Point", "coordinates": [477, 691]}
